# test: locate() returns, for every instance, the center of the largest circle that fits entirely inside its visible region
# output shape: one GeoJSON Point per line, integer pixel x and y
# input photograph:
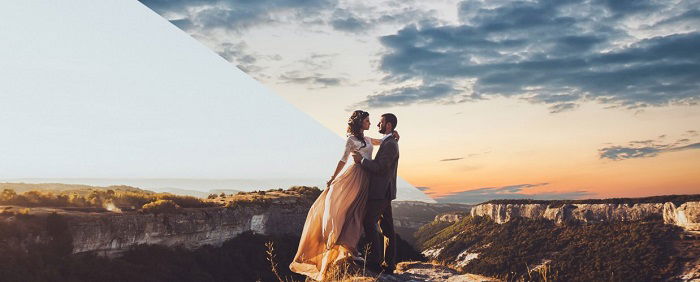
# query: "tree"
{"type": "Point", "coordinates": [8, 195]}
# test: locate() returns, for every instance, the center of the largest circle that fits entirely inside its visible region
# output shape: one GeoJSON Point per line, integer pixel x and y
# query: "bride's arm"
{"type": "Point", "coordinates": [349, 147]}
{"type": "Point", "coordinates": [338, 168]}
{"type": "Point", "coordinates": [376, 142]}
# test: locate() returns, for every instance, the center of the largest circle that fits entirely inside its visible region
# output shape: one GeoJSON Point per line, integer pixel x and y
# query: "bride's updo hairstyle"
{"type": "Point", "coordinates": [355, 125]}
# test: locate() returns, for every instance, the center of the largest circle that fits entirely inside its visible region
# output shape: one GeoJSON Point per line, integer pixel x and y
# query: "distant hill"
{"type": "Point", "coordinates": [67, 188]}
{"type": "Point", "coordinates": [196, 193]}
{"type": "Point", "coordinates": [411, 215]}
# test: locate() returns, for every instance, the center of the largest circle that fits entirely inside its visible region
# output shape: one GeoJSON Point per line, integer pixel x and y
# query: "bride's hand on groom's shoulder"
{"type": "Point", "coordinates": [396, 135]}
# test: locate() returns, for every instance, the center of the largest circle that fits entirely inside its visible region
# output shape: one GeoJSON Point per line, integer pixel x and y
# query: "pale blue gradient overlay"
{"type": "Point", "coordinates": [109, 89]}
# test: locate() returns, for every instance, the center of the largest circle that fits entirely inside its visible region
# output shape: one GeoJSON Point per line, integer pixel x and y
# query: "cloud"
{"type": "Point", "coordinates": [446, 93]}
{"type": "Point", "coordinates": [617, 153]}
{"type": "Point", "coordinates": [237, 14]}
{"type": "Point", "coordinates": [221, 23]}
{"type": "Point", "coordinates": [471, 155]}
{"type": "Point", "coordinates": [426, 190]}
{"type": "Point", "coordinates": [313, 71]}
{"type": "Point", "coordinates": [686, 147]}
{"type": "Point", "coordinates": [315, 79]}
{"type": "Point", "coordinates": [645, 149]}
{"type": "Point", "coordinates": [348, 22]}
{"type": "Point", "coordinates": [317, 62]}
{"type": "Point", "coordinates": [360, 18]}
{"type": "Point", "coordinates": [236, 53]}
{"type": "Point", "coordinates": [250, 62]}
{"type": "Point", "coordinates": [224, 26]}
{"type": "Point", "coordinates": [559, 53]}
{"type": "Point", "coordinates": [507, 192]}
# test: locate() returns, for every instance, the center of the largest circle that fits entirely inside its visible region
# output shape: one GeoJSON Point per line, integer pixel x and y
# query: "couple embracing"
{"type": "Point", "coordinates": [356, 202]}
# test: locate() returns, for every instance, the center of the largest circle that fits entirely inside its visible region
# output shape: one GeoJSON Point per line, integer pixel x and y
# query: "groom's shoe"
{"type": "Point", "coordinates": [388, 269]}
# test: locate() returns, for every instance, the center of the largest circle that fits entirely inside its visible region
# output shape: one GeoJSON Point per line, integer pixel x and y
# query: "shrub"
{"type": "Point", "coordinates": [96, 198]}
{"type": "Point", "coordinates": [161, 206]}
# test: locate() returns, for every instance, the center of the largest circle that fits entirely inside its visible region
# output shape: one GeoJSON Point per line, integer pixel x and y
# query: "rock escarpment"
{"type": "Point", "coordinates": [686, 215]}
{"type": "Point", "coordinates": [112, 233]}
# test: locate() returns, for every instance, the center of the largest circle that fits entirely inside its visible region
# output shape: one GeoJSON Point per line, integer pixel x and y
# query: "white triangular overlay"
{"type": "Point", "coordinates": [110, 89]}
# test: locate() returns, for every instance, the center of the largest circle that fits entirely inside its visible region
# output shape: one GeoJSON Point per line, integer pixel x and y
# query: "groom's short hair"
{"type": "Point", "coordinates": [389, 117]}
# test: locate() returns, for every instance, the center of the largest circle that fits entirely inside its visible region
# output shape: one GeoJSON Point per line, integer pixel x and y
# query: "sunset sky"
{"type": "Point", "coordinates": [495, 99]}
{"type": "Point", "coordinates": [536, 99]}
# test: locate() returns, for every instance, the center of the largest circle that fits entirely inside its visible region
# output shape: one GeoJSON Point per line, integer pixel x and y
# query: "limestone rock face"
{"type": "Point", "coordinates": [112, 233]}
{"type": "Point", "coordinates": [686, 216]}
{"type": "Point", "coordinates": [449, 217]}
{"type": "Point", "coordinates": [423, 271]}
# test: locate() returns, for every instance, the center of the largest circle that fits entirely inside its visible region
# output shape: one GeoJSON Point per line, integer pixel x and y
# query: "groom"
{"type": "Point", "coordinates": [382, 189]}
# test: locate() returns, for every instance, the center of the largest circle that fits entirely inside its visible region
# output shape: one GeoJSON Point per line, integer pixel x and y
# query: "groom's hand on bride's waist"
{"type": "Point", "coordinates": [357, 157]}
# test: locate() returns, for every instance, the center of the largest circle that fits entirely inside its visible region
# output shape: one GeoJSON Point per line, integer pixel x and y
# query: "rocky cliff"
{"type": "Point", "coordinates": [686, 215]}
{"type": "Point", "coordinates": [111, 233]}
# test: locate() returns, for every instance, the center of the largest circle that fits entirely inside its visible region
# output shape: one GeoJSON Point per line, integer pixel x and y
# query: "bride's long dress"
{"type": "Point", "coordinates": [334, 223]}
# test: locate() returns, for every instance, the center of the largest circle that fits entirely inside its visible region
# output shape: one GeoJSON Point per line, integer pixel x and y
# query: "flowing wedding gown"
{"type": "Point", "coordinates": [334, 223]}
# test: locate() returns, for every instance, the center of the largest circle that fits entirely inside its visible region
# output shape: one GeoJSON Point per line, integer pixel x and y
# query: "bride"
{"type": "Point", "coordinates": [334, 223]}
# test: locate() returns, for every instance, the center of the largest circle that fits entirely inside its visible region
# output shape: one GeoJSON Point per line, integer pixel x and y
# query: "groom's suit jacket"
{"type": "Point", "coordinates": [382, 176]}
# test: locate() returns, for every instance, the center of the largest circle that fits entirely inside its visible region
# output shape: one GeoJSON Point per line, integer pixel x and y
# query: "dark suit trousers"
{"type": "Point", "coordinates": [380, 210]}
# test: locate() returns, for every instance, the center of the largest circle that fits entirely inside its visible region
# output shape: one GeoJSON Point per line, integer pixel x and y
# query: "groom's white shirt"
{"type": "Point", "coordinates": [386, 136]}
{"type": "Point", "coordinates": [383, 138]}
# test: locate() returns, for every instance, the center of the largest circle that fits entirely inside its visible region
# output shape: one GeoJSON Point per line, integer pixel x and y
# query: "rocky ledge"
{"type": "Point", "coordinates": [686, 215]}
{"type": "Point", "coordinates": [191, 228]}
{"type": "Point", "coordinates": [110, 233]}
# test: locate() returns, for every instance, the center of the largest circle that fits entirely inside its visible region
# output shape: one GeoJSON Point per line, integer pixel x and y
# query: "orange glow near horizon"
{"type": "Point", "coordinates": [669, 173]}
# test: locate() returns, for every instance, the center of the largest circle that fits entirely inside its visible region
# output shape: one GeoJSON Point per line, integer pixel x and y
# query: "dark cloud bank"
{"type": "Point", "coordinates": [554, 52]}
{"type": "Point", "coordinates": [557, 52]}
